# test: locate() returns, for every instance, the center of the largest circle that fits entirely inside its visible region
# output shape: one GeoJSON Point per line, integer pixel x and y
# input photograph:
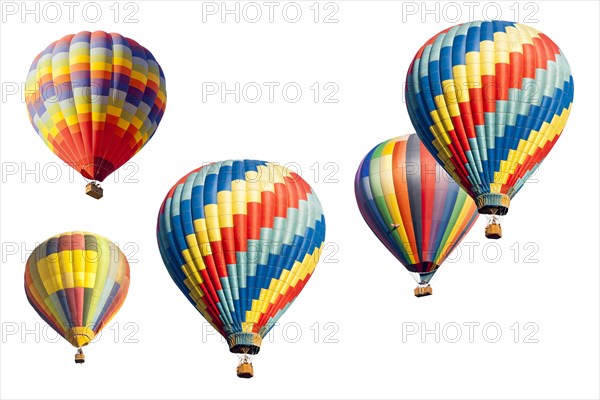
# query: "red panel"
{"type": "Point", "coordinates": [253, 220]}
{"type": "Point", "coordinates": [489, 93]}
{"type": "Point", "coordinates": [268, 209]}
{"type": "Point", "coordinates": [228, 242]}
{"type": "Point", "coordinates": [71, 303]}
{"type": "Point", "coordinates": [401, 190]}
{"type": "Point", "coordinates": [531, 60]}
{"type": "Point", "coordinates": [292, 193]}
{"type": "Point", "coordinates": [517, 65]}
{"type": "Point", "coordinates": [210, 293]}
{"type": "Point", "coordinates": [240, 230]}
{"type": "Point", "coordinates": [218, 258]}
{"type": "Point", "coordinates": [428, 181]}
{"type": "Point", "coordinates": [503, 81]}
{"type": "Point", "coordinates": [477, 105]}
{"type": "Point", "coordinates": [281, 200]}
{"type": "Point", "coordinates": [213, 275]}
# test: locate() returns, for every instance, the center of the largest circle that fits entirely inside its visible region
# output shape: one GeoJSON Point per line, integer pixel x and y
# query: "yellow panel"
{"type": "Point", "coordinates": [252, 316]}
{"type": "Point", "coordinates": [122, 61]}
{"type": "Point", "coordinates": [385, 164]}
{"type": "Point", "coordinates": [387, 182]}
{"type": "Point", "coordinates": [267, 186]}
{"type": "Point", "coordinates": [139, 76]}
{"type": "Point", "coordinates": [186, 255]}
{"type": "Point", "coordinates": [77, 56]}
{"type": "Point", "coordinates": [101, 66]}
{"type": "Point", "coordinates": [123, 124]}
{"type": "Point", "coordinates": [247, 327]}
{"type": "Point", "coordinates": [210, 210]}
{"type": "Point", "coordinates": [112, 110]}
{"type": "Point", "coordinates": [253, 196]}
{"type": "Point", "coordinates": [388, 149]}
{"type": "Point", "coordinates": [240, 207]}
{"type": "Point", "coordinates": [278, 173]}
{"type": "Point", "coordinates": [195, 250]}
{"type": "Point", "coordinates": [224, 197]}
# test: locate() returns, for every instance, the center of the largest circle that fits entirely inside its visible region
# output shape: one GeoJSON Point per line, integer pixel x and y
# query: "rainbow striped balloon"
{"type": "Point", "coordinates": [77, 281]}
{"type": "Point", "coordinates": [489, 100]}
{"type": "Point", "coordinates": [95, 99]}
{"type": "Point", "coordinates": [241, 238]}
{"type": "Point", "coordinates": [415, 209]}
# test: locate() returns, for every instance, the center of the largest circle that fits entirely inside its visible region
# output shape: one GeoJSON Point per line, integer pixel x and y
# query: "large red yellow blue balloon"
{"type": "Point", "coordinates": [241, 238]}
{"type": "Point", "coordinates": [490, 100]}
{"type": "Point", "coordinates": [95, 99]}
{"type": "Point", "coordinates": [415, 209]}
{"type": "Point", "coordinates": [77, 281]}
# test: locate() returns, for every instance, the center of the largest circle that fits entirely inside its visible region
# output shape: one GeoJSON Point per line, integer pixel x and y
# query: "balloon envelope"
{"type": "Point", "coordinates": [489, 100]}
{"type": "Point", "coordinates": [241, 238]}
{"type": "Point", "coordinates": [415, 209]}
{"type": "Point", "coordinates": [95, 99]}
{"type": "Point", "coordinates": [77, 281]}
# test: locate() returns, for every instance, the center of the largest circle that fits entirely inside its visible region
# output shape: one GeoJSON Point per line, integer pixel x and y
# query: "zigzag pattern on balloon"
{"type": "Point", "coordinates": [489, 100]}
{"type": "Point", "coordinates": [241, 238]}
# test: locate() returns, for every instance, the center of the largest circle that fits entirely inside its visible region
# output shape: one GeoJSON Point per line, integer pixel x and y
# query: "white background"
{"type": "Point", "coordinates": [366, 293]}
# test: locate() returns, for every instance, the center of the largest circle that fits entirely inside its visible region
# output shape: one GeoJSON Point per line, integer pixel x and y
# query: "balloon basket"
{"type": "Point", "coordinates": [422, 291]}
{"type": "Point", "coordinates": [79, 357]}
{"type": "Point", "coordinates": [493, 231]}
{"type": "Point", "coordinates": [94, 190]}
{"type": "Point", "coordinates": [245, 370]}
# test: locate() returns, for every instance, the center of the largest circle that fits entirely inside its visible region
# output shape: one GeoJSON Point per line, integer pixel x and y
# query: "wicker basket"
{"type": "Point", "coordinates": [493, 231]}
{"type": "Point", "coordinates": [245, 370]}
{"type": "Point", "coordinates": [79, 358]}
{"type": "Point", "coordinates": [94, 190]}
{"type": "Point", "coordinates": [422, 291]}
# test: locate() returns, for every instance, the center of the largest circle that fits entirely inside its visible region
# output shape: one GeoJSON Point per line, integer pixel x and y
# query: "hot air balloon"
{"type": "Point", "coordinates": [241, 238]}
{"type": "Point", "coordinates": [77, 281]}
{"type": "Point", "coordinates": [489, 100]}
{"type": "Point", "coordinates": [95, 99]}
{"type": "Point", "coordinates": [415, 209]}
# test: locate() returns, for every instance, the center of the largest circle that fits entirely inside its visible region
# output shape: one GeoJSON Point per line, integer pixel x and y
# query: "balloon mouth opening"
{"type": "Point", "coordinates": [423, 268]}
{"type": "Point", "coordinates": [493, 203]}
{"type": "Point", "coordinates": [97, 170]}
{"type": "Point", "coordinates": [493, 210]}
{"type": "Point", "coordinates": [244, 349]}
{"type": "Point", "coordinates": [80, 336]}
{"type": "Point", "coordinates": [244, 343]}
